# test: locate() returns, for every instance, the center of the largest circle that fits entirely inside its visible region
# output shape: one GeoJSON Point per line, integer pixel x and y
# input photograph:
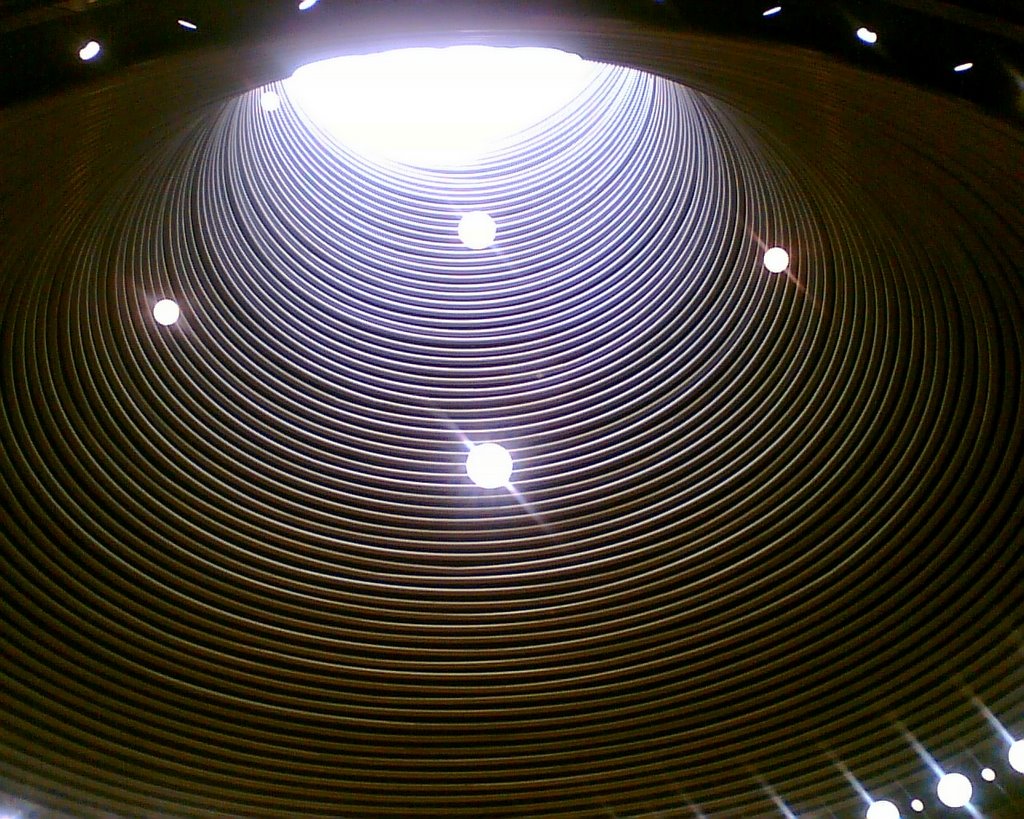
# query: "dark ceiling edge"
{"type": "Point", "coordinates": [964, 16]}
{"type": "Point", "coordinates": [36, 60]}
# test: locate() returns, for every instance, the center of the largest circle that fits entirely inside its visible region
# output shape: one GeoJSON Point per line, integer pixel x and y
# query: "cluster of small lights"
{"type": "Point", "coordinates": [954, 790]}
{"type": "Point", "coordinates": [869, 37]}
{"type": "Point", "coordinates": [92, 49]}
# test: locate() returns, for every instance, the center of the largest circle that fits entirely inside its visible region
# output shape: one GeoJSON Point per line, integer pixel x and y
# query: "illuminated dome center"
{"type": "Point", "coordinates": [437, 107]}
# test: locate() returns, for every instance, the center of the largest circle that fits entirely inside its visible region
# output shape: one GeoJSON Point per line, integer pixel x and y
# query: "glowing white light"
{"type": "Point", "coordinates": [489, 466]}
{"type": "Point", "coordinates": [438, 107]}
{"type": "Point", "coordinates": [917, 805]}
{"type": "Point", "coordinates": [964, 67]}
{"type": "Point", "coordinates": [954, 790]}
{"type": "Point", "coordinates": [477, 230]}
{"type": "Point", "coordinates": [776, 260]}
{"type": "Point", "coordinates": [988, 774]}
{"type": "Point", "coordinates": [307, 4]}
{"type": "Point", "coordinates": [90, 51]}
{"type": "Point", "coordinates": [270, 101]}
{"type": "Point", "coordinates": [867, 35]}
{"type": "Point", "coordinates": [771, 11]}
{"type": "Point", "coordinates": [1016, 756]}
{"type": "Point", "coordinates": [187, 24]}
{"type": "Point", "coordinates": [883, 809]}
{"type": "Point", "coordinates": [166, 312]}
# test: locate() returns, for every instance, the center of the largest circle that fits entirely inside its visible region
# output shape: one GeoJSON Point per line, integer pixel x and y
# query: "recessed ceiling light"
{"type": "Point", "coordinates": [307, 4]}
{"type": "Point", "coordinates": [477, 230]}
{"type": "Point", "coordinates": [776, 260]}
{"type": "Point", "coordinates": [772, 11]}
{"type": "Point", "coordinates": [964, 67]}
{"type": "Point", "coordinates": [917, 805]}
{"type": "Point", "coordinates": [188, 24]}
{"type": "Point", "coordinates": [166, 312]}
{"type": "Point", "coordinates": [954, 790]}
{"type": "Point", "coordinates": [883, 809]}
{"type": "Point", "coordinates": [270, 101]}
{"type": "Point", "coordinates": [1016, 756]}
{"type": "Point", "coordinates": [90, 51]}
{"type": "Point", "coordinates": [489, 466]}
{"type": "Point", "coordinates": [867, 35]}
{"type": "Point", "coordinates": [988, 774]}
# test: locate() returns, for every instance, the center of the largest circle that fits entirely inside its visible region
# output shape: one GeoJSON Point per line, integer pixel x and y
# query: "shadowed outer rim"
{"type": "Point", "coordinates": [766, 529]}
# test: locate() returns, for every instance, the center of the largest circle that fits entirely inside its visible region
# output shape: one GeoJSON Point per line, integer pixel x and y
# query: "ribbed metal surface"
{"type": "Point", "coordinates": [759, 522]}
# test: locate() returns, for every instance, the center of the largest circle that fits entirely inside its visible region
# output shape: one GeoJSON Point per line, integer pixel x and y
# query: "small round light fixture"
{"type": "Point", "coordinates": [1016, 756]}
{"type": "Point", "coordinates": [307, 4]}
{"type": "Point", "coordinates": [917, 805]}
{"type": "Point", "coordinates": [771, 12]}
{"type": "Point", "coordinates": [960, 69]}
{"type": "Point", "coordinates": [866, 35]}
{"type": "Point", "coordinates": [477, 230]}
{"type": "Point", "coordinates": [776, 260]}
{"type": "Point", "coordinates": [988, 774]}
{"type": "Point", "coordinates": [90, 51]}
{"type": "Point", "coordinates": [954, 790]}
{"type": "Point", "coordinates": [883, 809]}
{"type": "Point", "coordinates": [166, 312]}
{"type": "Point", "coordinates": [187, 24]}
{"type": "Point", "coordinates": [269, 101]}
{"type": "Point", "coordinates": [489, 466]}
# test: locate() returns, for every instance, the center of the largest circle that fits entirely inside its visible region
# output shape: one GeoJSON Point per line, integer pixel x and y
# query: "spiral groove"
{"type": "Point", "coordinates": [756, 520]}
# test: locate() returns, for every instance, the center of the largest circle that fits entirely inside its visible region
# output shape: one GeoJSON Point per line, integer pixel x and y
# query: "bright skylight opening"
{"type": "Point", "coordinates": [437, 107]}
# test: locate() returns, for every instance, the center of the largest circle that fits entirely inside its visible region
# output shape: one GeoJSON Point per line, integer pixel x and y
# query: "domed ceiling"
{"type": "Point", "coordinates": [760, 553]}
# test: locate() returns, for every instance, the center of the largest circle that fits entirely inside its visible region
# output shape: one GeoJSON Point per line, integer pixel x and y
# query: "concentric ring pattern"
{"type": "Point", "coordinates": [760, 526]}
